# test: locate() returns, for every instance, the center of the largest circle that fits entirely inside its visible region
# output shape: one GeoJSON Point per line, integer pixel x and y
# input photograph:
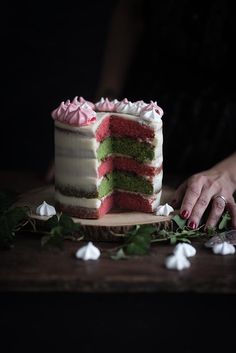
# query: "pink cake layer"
{"type": "Point", "coordinates": [83, 212]}
{"type": "Point", "coordinates": [120, 127]}
{"type": "Point", "coordinates": [121, 200]}
{"type": "Point", "coordinates": [127, 164]}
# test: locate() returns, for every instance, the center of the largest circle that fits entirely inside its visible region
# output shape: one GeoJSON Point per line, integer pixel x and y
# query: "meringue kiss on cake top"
{"type": "Point", "coordinates": [108, 155]}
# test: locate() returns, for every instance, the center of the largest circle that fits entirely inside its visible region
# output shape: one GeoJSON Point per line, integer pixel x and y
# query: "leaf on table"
{"type": "Point", "coordinates": [181, 223]}
{"type": "Point", "coordinates": [138, 240]}
{"type": "Point", "coordinates": [10, 220]}
{"type": "Point", "coordinates": [119, 255]}
{"type": "Point", "coordinates": [224, 222]}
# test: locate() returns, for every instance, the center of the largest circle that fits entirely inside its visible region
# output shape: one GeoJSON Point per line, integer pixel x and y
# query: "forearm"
{"type": "Point", "coordinates": [126, 27]}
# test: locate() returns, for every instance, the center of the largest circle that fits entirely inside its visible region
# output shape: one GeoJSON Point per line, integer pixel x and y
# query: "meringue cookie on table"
{"type": "Point", "coordinates": [88, 252]}
{"type": "Point", "coordinates": [177, 262]}
{"type": "Point", "coordinates": [45, 209]}
{"type": "Point", "coordinates": [164, 210]}
{"type": "Point", "coordinates": [185, 249]}
{"type": "Point", "coordinates": [224, 248]}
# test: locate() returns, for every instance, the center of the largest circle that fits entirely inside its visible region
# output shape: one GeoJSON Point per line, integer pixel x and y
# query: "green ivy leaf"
{"type": "Point", "coordinates": [9, 221]}
{"type": "Point", "coordinates": [181, 223]}
{"type": "Point", "coordinates": [225, 220]}
{"type": "Point", "coordinates": [138, 240]}
{"type": "Point", "coordinates": [68, 225]}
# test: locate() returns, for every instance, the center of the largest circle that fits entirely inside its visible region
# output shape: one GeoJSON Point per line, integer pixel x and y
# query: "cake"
{"type": "Point", "coordinates": [108, 155]}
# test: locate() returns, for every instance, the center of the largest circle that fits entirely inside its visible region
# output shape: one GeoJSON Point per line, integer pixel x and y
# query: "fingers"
{"type": "Point", "coordinates": [201, 205]}
{"type": "Point", "coordinates": [178, 195]}
{"type": "Point", "coordinates": [192, 194]}
{"type": "Point", "coordinates": [217, 209]}
{"type": "Point", "coordinates": [197, 194]}
{"type": "Point", "coordinates": [231, 207]}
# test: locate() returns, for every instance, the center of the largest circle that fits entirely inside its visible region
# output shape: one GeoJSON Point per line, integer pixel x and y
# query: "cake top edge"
{"type": "Point", "coordinates": [81, 112]}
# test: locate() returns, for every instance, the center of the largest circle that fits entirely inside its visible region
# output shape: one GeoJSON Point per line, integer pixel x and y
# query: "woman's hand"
{"type": "Point", "coordinates": [215, 188]}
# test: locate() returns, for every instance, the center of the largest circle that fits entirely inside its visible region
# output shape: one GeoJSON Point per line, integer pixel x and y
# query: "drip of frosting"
{"type": "Point", "coordinates": [75, 113]}
{"type": "Point", "coordinates": [223, 248]}
{"type": "Point", "coordinates": [104, 105]}
{"type": "Point", "coordinates": [45, 209]}
{"type": "Point", "coordinates": [88, 252]}
{"type": "Point", "coordinates": [177, 262]}
{"type": "Point", "coordinates": [164, 210]}
{"type": "Point", "coordinates": [184, 249]}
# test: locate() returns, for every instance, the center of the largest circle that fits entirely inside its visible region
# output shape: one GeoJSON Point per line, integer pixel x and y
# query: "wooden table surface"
{"type": "Point", "coordinates": [29, 267]}
{"type": "Point", "coordinates": [52, 301]}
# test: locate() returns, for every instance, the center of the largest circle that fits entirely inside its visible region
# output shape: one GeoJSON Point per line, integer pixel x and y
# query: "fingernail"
{"type": "Point", "coordinates": [192, 225]}
{"type": "Point", "coordinates": [184, 214]}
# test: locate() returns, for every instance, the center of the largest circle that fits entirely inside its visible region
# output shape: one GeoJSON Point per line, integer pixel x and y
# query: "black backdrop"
{"type": "Point", "coordinates": [50, 52]}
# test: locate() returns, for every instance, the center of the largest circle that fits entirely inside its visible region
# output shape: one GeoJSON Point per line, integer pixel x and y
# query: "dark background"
{"type": "Point", "coordinates": [185, 61]}
{"type": "Point", "coordinates": [50, 53]}
{"type": "Point", "coordinates": [53, 52]}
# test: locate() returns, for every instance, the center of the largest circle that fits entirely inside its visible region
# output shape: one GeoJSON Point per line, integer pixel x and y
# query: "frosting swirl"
{"type": "Point", "coordinates": [104, 105]}
{"type": "Point", "coordinates": [82, 100]}
{"type": "Point", "coordinates": [75, 113]}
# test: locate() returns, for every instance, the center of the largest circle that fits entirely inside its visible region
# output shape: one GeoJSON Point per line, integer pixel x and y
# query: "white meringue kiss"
{"type": "Point", "coordinates": [184, 249]}
{"type": "Point", "coordinates": [45, 209]}
{"type": "Point", "coordinates": [88, 252]}
{"type": "Point", "coordinates": [223, 248]}
{"type": "Point", "coordinates": [177, 262]}
{"type": "Point", "coordinates": [164, 210]}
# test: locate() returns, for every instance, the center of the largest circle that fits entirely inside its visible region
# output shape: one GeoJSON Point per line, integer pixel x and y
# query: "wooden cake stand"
{"type": "Point", "coordinates": [108, 228]}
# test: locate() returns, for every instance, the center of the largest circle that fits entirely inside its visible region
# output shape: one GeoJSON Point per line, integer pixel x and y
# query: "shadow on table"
{"type": "Point", "coordinates": [116, 322]}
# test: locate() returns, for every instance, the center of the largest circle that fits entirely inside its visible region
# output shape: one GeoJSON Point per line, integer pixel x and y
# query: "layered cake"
{"type": "Point", "coordinates": [107, 155]}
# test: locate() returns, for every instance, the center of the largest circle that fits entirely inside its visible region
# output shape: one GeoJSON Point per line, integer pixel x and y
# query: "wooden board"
{"type": "Point", "coordinates": [109, 227]}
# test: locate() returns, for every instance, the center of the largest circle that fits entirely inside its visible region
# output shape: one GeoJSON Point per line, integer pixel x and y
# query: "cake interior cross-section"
{"type": "Point", "coordinates": [108, 155]}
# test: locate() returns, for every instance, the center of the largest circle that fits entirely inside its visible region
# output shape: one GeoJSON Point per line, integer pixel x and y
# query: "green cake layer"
{"type": "Point", "coordinates": [141, 151]}
{"type": "Point", "coordinates": [124, 181]}
{"type": "Point", "coordinates": [112, 181]}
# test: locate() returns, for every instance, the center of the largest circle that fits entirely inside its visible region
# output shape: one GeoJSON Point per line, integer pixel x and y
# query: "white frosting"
{"type": "Point", "coordinates": [122, 107]}
{"type": "Point", "coordinates": [177, 262]}
{"type": "Point", "coordinates": [115, 101]}
{"type": "Point", "coordinates": [77, 201]}
{"type": "Point", "coordinates": [224, 248]}
{"type": "Point", "coordinates": [150, 115]}
{"type": "Point", "coordinates": [184, 249]}
{"type": "Point", "coordinates": [88, 252]}
{"type": "Point", "coordinates": [157, 200]}
{"type": "Point", "coordinates": [164, 210]}
{"type": "Point", "coordinates": [96, 203]}
{"type": "Point", "coordinates": [45, 209]}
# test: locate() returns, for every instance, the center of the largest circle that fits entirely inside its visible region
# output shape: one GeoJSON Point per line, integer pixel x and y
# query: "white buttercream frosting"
{"type": "Point", "coordinates": [88, 252]}
{"type": "Point", "coordinates": [164, 210]}
{"type": "Point", "coordinates": [185, 249]}
{"type": "Point", "coordinates": [177, 262]}
{"type": "Point", "coordinates": [45, 209]}
{"type": "Point", "coordinates": [224, 248]}
{"type": "Point", "coordinates": [150, 115]}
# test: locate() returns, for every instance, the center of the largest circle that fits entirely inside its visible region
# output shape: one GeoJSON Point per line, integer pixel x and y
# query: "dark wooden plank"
{"type": "Point", "coordinates": [28, 267]}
